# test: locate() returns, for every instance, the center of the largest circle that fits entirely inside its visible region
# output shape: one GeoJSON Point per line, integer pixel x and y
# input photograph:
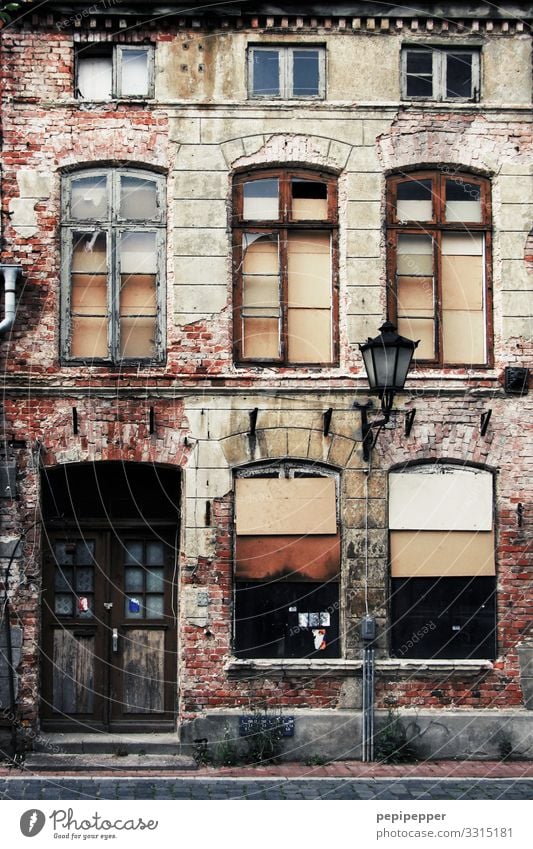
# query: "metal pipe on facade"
{"type": "Point", "coordinates": [10, 274]}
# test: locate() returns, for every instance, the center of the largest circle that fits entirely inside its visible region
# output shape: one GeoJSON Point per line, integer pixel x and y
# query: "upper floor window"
{"type": "Point", "coordinates": [287, 562]}
{"type": "Point", "coordinates": [287, 72]}
{"type": "Point", "coordinates": [436, 73]}
{"type": "Point", "coordinates": [113, 248]}
{"type": "Point", "coordinates": [439, 265]}
{"type": "Point", "coordinates": [285, 268]}
{"type": "Point", "coordinates": [106, 71]}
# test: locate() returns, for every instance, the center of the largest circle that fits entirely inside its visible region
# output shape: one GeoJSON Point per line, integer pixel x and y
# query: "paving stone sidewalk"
{"type": "Point", "coordinates": [203, 787]}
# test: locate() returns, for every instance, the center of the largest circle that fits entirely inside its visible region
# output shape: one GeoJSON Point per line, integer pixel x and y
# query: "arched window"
{"type": "Point", "coordinates": [285, 268]}
{"type": "Point", "coordinates": [113, 225]}
{"type": "Point", "coordinates": [443, 585]}
{"type": "Point", "coordinates": [287, 562]}
{"type": "Point", "coordinates": [438, 237]}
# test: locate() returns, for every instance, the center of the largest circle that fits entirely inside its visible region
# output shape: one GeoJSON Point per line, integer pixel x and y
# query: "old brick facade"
{"type": "Point", "coordinates": [201, 127]}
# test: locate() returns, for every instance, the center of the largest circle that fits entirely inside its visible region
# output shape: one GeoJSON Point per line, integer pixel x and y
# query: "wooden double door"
{"type": "Point", "coordinates": [109, 630]}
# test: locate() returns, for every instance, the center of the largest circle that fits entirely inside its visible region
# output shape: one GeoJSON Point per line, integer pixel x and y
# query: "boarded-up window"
{"type": "Point", "coordinates": [439, 274]}
{"type": "Point", "coordinates": [113, 235]}
{"type": "Point", "coordinates": [286, 297]}
{"type": "Point", "coordinates": [287, 566]}
{"type": "Point", "coordinates": [442, 548]}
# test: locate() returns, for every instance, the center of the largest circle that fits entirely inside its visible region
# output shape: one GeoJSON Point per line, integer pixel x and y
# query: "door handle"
{"type": "Point", "coordinates": [114, 639]}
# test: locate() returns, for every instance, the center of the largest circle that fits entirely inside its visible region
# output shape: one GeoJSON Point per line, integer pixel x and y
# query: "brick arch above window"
{"type": "Point", "coordinates": [439, 264]}
{"type": "Point", "coordinates": [285, 266]}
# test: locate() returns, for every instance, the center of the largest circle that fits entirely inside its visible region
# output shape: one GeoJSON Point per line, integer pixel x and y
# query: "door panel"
{"type": "Point", "coordinates": [143, 660]}
{"type": "Point", "coordinates": [73, 672]}
{"type": "Point", "coordinates": [109, 634]}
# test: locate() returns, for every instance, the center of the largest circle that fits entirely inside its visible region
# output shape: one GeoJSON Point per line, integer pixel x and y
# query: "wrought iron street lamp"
{"type": "Point", "coordinates": [387, 359]}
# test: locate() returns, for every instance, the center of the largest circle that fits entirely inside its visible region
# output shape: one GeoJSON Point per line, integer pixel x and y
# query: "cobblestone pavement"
{"type": "Point", "coordinates": [264, 788]}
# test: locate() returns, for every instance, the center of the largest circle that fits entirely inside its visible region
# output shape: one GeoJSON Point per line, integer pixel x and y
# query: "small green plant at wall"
{"type": "Point", "coordinates": [264, 738]}
{"type": "Point", "coordinates": [227, 753]}
{"type": "Point", "coordinates": [7, 9]}
{"type": "Point", "coordinates": [201, 753]}
{"type": "Point", "coordinates": [391, 745]}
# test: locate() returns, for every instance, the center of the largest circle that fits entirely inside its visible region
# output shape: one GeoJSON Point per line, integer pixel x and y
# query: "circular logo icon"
{"type": "Point", "coordinates": [32, 822]}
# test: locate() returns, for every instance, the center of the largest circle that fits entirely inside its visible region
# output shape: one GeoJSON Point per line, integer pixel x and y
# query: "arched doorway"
{"type": "Point", "coordinates": [109, 596]}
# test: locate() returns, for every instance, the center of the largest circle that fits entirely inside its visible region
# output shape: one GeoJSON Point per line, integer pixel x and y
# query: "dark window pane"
{"type": "Point", "coordinates": [457, 189]}
{"type": "Point", "coordinates": [266, 72]}
{"type": "Point", "coordinates": [419, 86]}
{"type": "Point", "coordinates": [272, 619]}
{"type": "Point", "coordinates": [459, 75]}
{"type": "Point", "coordinates": [305, 79]}
{"type": "Point", "coordinates": [85, 553]}
{"type": "Point", "coordinates": [63, 604]}
{"type": "Point", "coordinates": [133, 552]}
{"type": "Point", "coordinates": [63, 579]}
{"type": "Point", "coordinates": [414, 190]}
{"type": "Point", "coordinates": [443, 618]}
{"type": "Point", "coordinates": [64, 553]}
{"type": "Point", "coordinates": [419, 67]}
{"type": "Point", "coordinates": [134, 579]}
{"type": "Point", "coordinates": [419, 61]}
{"type": "Point", "coordinates": [84, 579]}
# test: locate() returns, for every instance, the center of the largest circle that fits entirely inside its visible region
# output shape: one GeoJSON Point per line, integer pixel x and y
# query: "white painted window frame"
{"type": "Point", "coordinates": [285, 64]}
{"type": "Point", "coordinates": [439, 71]}
{"type": "Point", "coordinates": [117, 52]}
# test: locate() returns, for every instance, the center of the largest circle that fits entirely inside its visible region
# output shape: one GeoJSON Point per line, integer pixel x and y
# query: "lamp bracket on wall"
{"type": "Point", "coordinates": [409, 421]}
{"type": "Point", "coordinates": [485, 419]}
{"type": "Point", "coordinates": [327, 420]}
{"type": "Point", "coordinates": [253, 420]}
{"type": "Point", "coordinates": [369, 439]}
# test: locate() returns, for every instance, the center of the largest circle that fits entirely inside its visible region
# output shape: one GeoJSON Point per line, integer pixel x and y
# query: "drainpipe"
{"type": "Point", "coordinates": [10, 273]}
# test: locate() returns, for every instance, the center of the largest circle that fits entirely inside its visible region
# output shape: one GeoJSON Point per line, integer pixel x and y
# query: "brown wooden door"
{"type": "Point", "coordinates": [109, 631]}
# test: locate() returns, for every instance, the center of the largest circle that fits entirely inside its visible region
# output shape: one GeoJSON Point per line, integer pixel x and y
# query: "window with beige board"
{"type": "Point", "coordinates": [287, 563]}
{"type": "Point", "coordinates": [113, 230]}
{"type": "Point", "coordinates": [443, 584]}
{"type": "Point", "coordinates": [439, 265]}
{"type": "Point", "coordinates": [285, 268]}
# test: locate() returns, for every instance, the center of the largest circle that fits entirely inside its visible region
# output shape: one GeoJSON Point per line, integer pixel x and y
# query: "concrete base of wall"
{"type": "Point", "coordinates": [525, 658]}
{"type": "Point", "coordinates": [336, 735]}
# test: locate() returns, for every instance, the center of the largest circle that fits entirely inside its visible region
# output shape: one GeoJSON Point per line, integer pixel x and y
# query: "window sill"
{"type": "Point", "coordinates": [339, 668]}
{"type": "Point", "coordinates": [294, 667]}
{"type": "Point", "coordinates": [428, 668]}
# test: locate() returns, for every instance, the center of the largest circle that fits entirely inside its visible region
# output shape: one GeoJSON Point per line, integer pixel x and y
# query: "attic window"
{"type": "Point", "coordinates": [287, 72]}
{"type": "Point", "coordinates": [114, 70]}
{"type": "Point", "coordinates": [432, 73]}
